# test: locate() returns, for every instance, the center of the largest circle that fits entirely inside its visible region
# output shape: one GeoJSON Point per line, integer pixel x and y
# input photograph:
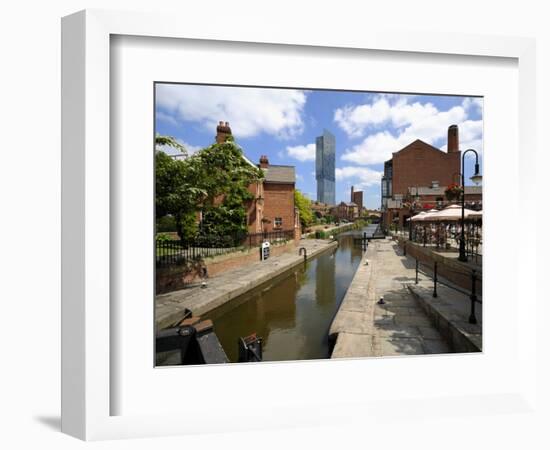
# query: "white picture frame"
{"type": "Point", "coordinates": [87, 383]}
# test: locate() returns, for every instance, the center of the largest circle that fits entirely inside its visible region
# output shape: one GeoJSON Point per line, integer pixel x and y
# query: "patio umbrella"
{"type": "Point", "coordinates": [419, 216]}
{"type": "Point", "coordinates": [451, 213]}
{"type": "Point", "coordinates": [427, 216]}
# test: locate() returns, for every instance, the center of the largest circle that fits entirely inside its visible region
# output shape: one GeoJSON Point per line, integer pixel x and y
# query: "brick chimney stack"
{"type": "Point", "coordinates": [222, 132]}
{"type": "Point", "coordinates": [264, 162]}
{"type": "Point", "coordinates": [452, 139]}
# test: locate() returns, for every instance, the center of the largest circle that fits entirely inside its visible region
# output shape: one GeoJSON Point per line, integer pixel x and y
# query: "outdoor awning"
{"type": "Point", "coordinates": [419, 216]}
{"type": "Point", "coordinates": [425, 216]}
{"type": "Point", "coordinates": [449, 214]}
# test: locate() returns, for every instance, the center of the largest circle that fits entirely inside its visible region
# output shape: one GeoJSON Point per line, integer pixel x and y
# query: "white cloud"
{"type": "Point", "coordinates": [249, 111]}
{"type": "Point", "coordinates": [302, 152]}
{"type": "Point", "coordinates": [363, 177]}
{"type": "Point", "coordinates": [474, 103]}
{"type": "Point", "coordinates": [166, 118]}
{"type": "Point", "coordinates": [407, 122]}
{"type": "Point", "coordinates": [172, 151]}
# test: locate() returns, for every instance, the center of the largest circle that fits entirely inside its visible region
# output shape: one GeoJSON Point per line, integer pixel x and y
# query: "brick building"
{"type": "Point", "coordinates": [357, 198]}
{"type": "Point", "coordinates": [416, 177]}
{"type": "Point", "coordinates": [319, 209]}
{"type": "Point", "coordinates": [272, 208]}
{"type": "Point", "coordinates": [348, 211]}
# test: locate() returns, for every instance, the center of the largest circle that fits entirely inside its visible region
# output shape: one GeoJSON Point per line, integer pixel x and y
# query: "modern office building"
{"type": "Point", "coordinates": [325, 156]}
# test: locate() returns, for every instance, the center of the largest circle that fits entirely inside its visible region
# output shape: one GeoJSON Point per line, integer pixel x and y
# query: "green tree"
{"type": "Point", "coordinates": [226, 178]}
{"type": "Point", "coordinates": [177, 192]}
{"type": "Point", "coordinates": [304, 208]}
{"type": "Point", "coordinates": [214, 181]}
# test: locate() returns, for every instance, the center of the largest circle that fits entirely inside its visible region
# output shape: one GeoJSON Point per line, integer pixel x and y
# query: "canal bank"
{"type": "Point", "coordinates": [170, 307]}
{"type": "Point", "coordinates": [365, 326]}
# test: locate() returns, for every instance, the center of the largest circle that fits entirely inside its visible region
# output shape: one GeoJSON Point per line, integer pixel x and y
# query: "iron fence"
{"type": "Point", "coordinates": [178, 252]}
{"type": "Point", "coordinates": [472, 276]}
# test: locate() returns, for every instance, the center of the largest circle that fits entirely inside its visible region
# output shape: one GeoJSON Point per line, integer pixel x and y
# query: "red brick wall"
{"type": "Point", "coordinates": [173, 278]}
{"type": "Point", "coordinates": [419, 164]}
{"type": "Point", "coordinates": [358, 199]}
{"type": "Point", "coordinates": [279, 202]}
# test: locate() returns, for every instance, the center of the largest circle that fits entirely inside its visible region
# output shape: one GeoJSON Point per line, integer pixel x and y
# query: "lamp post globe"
{"type": "Point", "coordinates": [476, 178]}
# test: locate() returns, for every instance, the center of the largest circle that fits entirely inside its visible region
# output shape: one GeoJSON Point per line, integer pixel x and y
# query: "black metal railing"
{"type": "Point", "coordinates": [472, 276]}
{"type": "Point", "coordinates": [178, 252]}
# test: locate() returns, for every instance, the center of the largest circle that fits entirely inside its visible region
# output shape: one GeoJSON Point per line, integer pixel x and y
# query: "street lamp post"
{"type": "Point", "coordinates": [476, 178]}
{"type": "Point", "coordinates": [411, 210]}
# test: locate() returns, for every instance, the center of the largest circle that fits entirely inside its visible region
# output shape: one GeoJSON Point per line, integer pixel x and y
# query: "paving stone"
{"type": "Point", "coordinates": [399, 326]}
{"type": "Point", "coordinates": [350, 345]}
{"type": "Point", "coordinates": [397, 346]}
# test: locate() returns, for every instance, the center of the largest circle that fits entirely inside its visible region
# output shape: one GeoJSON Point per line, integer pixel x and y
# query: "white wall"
{"type": "Point", "coordinates": [30, 187]}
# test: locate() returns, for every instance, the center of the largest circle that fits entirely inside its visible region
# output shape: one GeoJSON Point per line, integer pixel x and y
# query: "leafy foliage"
{"type": "Point", "coordinates": [213, 181]}
{"type": "Point", "coordinates": [169, 141]}
{"type": "Point", "coordinates": [227, 176]}
{"type": "Point", "coordinates": [304, 208]}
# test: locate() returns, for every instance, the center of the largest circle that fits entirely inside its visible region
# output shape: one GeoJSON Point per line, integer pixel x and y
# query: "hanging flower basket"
{"type": "Point", "coordinates": [453, 192]}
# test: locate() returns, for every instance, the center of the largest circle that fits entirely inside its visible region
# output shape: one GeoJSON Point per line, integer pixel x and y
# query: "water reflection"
{"type": "Point", "coordinates": [294, 311]}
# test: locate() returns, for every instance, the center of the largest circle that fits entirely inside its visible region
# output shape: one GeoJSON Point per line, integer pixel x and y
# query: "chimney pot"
{"type": "Point", "coordinates": [222, 132]}
{"type": "Point", "coordinates": [264, 162]}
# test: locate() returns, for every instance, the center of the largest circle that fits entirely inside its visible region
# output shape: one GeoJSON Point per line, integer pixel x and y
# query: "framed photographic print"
{"type": "Point", "coordinates": [250, 217]}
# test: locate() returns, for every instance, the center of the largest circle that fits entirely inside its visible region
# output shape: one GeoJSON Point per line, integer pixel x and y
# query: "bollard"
{"type": "Point", "coordinates": [435, 280]}
{"type": "Point", "coordinates": [416, 275]}
{"type": "Point", "coordinates": [404, 249]}
{"type": "Point", "coordinates": [473, 298]}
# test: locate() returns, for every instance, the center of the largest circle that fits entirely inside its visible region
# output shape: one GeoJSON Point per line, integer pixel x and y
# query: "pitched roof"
{"type": "Point", "coordinates": [424, 190]}
{"type": "Point", "coordinates": [280, 174]}
{"type": "Point", "coordinates": [414, 144]}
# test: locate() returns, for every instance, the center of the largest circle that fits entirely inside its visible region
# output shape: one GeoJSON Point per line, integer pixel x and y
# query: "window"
{"type": "Point", "coordinates": [278, 222]}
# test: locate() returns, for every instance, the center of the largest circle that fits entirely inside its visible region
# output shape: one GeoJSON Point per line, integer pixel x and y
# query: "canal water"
{"type": "Point", "coordinates": [293, 312]}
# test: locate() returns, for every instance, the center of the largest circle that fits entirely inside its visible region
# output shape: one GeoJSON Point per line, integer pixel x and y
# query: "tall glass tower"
{"type": "Point", "coordinates": [325, 156]}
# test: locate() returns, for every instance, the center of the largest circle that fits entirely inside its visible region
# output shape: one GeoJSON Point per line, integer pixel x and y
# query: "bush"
{"type": "Point", "coordinates": [166, 224]}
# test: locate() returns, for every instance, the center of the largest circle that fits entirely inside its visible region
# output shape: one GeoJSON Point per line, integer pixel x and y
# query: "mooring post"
{"type": "Point", "coordinates": [305, 252]}
{"type": "Point", "coordinates": [416, 270]}
{"type": "Point", "coordinates": [404, 248]}
{"type": "Point", "coordinates": [435, 279]}
{"type": "Point", "coordinates": [473, 299]}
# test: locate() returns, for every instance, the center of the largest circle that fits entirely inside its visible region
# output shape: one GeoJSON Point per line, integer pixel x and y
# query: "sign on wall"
{"type": "Point", "coordinates": [265, 251]}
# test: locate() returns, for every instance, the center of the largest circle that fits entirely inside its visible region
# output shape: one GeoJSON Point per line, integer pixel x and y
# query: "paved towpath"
{"type": "Point", "coordinates": [222, 288]}
{"type": "Point", "coordinates": [399, 326]}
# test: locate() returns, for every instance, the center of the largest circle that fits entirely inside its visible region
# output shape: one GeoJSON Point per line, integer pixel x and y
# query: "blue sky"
{"type": "Point", "coordinates": [283, 124]}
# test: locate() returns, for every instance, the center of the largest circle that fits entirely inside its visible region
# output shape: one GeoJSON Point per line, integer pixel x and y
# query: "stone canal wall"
{"type": "Point", "coordinates": [219, 290]}
{"type": "Point", "coordinates": [355, 312]}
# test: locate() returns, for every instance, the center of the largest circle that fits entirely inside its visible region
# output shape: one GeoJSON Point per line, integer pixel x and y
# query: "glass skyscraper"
{"type": "Point", "coordinates": [325, 156]}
